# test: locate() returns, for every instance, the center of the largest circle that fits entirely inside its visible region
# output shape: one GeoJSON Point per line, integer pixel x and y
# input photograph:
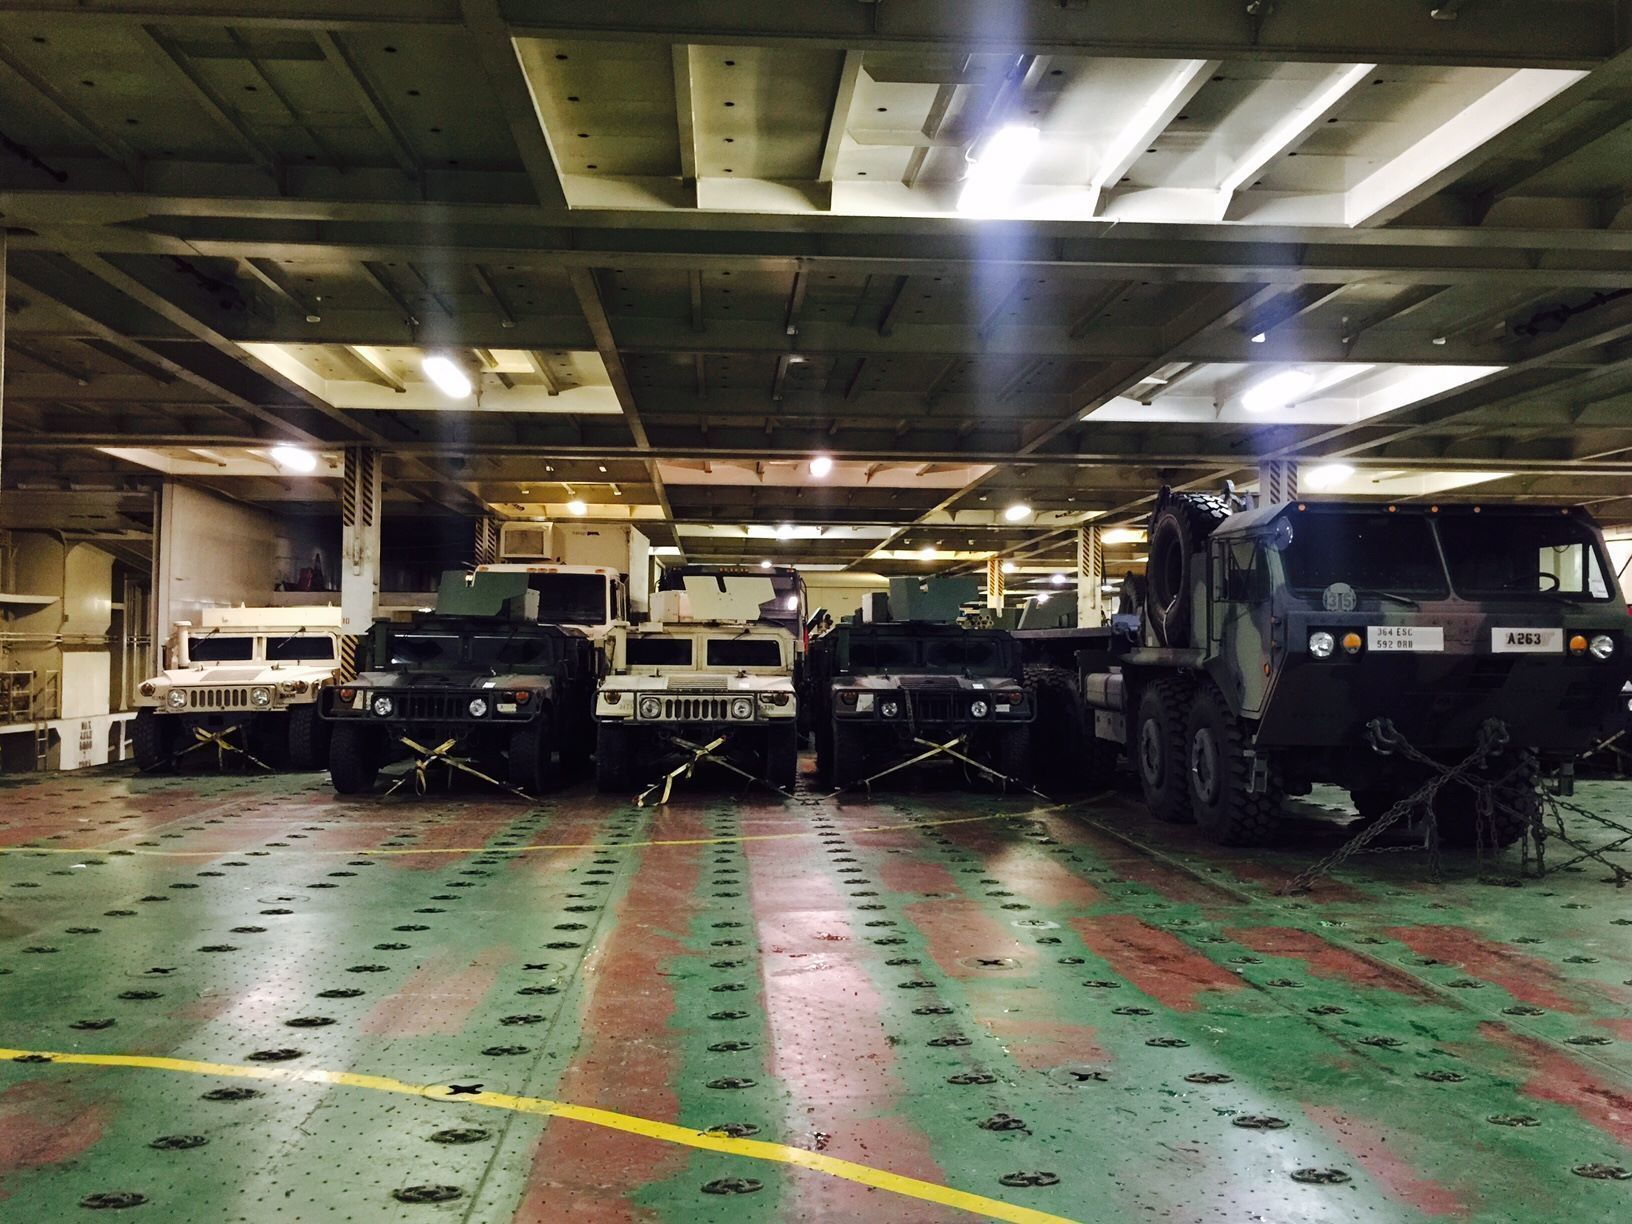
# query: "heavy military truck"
{"type": "Point", "coordinates": [252, 678]}
{"type": "Point", "coordinates": [514, 696]}
{"type": "Point", "coordinates": [880, 689]}
{"type": "Point", "coordinates": [1268, 641]}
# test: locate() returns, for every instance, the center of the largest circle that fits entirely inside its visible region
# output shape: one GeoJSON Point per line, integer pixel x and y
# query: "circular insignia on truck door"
{"type": "Point", "coordinates": [1339, 597]}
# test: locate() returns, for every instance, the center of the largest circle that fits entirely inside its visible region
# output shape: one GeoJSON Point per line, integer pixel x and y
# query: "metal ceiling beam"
{"type": "Point", "coordinates": [1151, 119]}
{"type": "Point", "coordinates": [368, 100]}
{"type": "Point", "coordinates": [108, 145]}
{"type": "Point", "coordinates": [838, 122]}
{"type": "Point", "coordinates": [186, 77]}
{"type": "Point", "coordinates": [685, 117]}
{"type": "Point", "coordinates": [497, 55]}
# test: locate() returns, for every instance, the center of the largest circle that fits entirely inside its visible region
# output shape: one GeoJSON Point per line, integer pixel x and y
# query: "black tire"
{"type": "Point", "coordinates": [153, 741]}
{"type": "Point", "coordinates": [1159, 750]}
{"type": "Point", "coordinates": [1517, 807]}
{"type": "Point", "coordinates": [267, 738]}
{"type": "Point", "coordinates": [532, 763]}
{"type": "Point", "coordinates": [612, 763]}
{"type": "Point", "coordinates": [1178, 530]}
{"type": "Point", "coordinates": [1219, 777]}
{"type": "Point", "coordinates": [1013, 757]}
{"type": "Point", "coordinates": [354, 759]}
{"type": "Point", "coordinates": [1065, 756]}
{"type": "Point", "coordinates": [782, 756]}
{"type": "Point", "coordinates": [846, 761]}
{"type": "Point", "coordinates": [308, 745]}
{"type": "Point", "coordinates": [822, 733]}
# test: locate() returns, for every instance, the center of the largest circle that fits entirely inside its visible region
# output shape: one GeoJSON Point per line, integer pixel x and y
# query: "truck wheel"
{"type": "Point", "coordinates": [532, 762]}
{"type": "Point", "coordinates": [1220, 777]}
{"type": "Point", "coordinates": [1065, 756]}
{"type": "Point", "coordinates": [845, 759]}
{"type": "Point", "coordinates": [308, 746]}
{"type": "Point", "coordinates": [1013, 756]}
{"type": "Point", "coordinates": [1517, 808]}
{"type": "Point", "coordinates": [611, 758]}
{"type": "Point", "coordinates": [1159, 751]}
{"type": "Point", "coordinates": [153, 740]}
{"type": "Point", "coordinates": [267, 738]}
{"type": "Point", "coordinates": [1178, 529]}
{"type": "Point", "coordinates": [782, 756]}
{"type": "Point", "coordinates": [354, 759]}
{"type": "Point", "coordinates": [822, 733]}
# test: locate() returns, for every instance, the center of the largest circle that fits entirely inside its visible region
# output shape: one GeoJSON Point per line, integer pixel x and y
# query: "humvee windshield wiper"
{"type": "Point", "coordinates": [1404, 599]}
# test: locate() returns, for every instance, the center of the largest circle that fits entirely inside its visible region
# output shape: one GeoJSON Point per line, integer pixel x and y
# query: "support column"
{"type": "Point", "coordinates": [2, 342]}
{"type": "Point", "coordinates": [487, 540]}
{"type": "Point", "coordinates": [1090, 574]}
{"type": "Point", "coordinates": [996, 586]}
{"type": "Point", "coordinates": [359, 549]}
{"type": "Point", "coordinates": [1277, 481]}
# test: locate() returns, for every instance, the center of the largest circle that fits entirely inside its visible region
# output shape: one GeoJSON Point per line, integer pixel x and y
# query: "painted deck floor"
{"type": "Point", "coordinates": [239, 998]}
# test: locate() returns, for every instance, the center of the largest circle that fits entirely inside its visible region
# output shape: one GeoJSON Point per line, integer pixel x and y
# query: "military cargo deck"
{"type": "Point", "coordinates": [239, 998]}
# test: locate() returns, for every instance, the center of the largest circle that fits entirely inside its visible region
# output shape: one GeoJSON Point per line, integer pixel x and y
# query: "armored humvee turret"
{"type": "Point", "coordinates": [512, 694]}
{"type": "Point", "coordinates": [1272, 639]}
{"type": "Point", "coordinates": [254, 677]}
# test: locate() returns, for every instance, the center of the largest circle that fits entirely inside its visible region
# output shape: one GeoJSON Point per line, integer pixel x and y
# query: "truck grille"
{"type": "Point", "coordinates": [933, 707]}
{"type": "Point", "coordinates": [434, 707]}
{"type": "Point", "coordinates": [697, 709]}
{"type": "Point", "coordinates": [217, 698]}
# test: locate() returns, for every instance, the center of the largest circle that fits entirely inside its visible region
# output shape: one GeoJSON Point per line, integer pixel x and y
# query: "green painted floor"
{"type": "Point", "coordinates": [239, 998]}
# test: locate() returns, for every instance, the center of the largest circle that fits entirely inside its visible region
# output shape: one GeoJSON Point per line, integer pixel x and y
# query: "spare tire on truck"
{"type": "Point", "coordinates": [1179, 527]}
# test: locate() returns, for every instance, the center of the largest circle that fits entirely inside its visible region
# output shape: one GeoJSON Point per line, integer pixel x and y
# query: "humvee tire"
{"type": "Point", "coordinates": [782, 756]}
{"type": "Point", "coordinates": [1065, 756]}
{"type": "Point", "coordinates": [152, 741]}
{"type": "Point", "coordinates": [354, 759]}
{"type": "Point", "coordinates": [1159, 744]}
{"type": "Point", "coordinates": [267, 738]}
{"type": "Point", "coordinates": [532, 764]}
{"type": "Point", "coordinates": [1013, 756]}
{"type": "Point", "coordinates": [308, 742]}
{"type": "Point", "coordinates": [1219, 776]}
{"type": "Point", "coordinates": [1178, 529]}
{"type": "Point", "coordinates": [845, 757]}
{"type": "Point", "coordinates": [611, 758]}
{"type": "Point", "coordinates": [822, 734]}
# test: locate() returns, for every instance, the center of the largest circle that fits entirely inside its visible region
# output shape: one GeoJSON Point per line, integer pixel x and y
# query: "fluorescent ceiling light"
{"type": "Point", "coordinates": [1327, 475]}
{"type": "Point", "coordinates": [1057, 579]}
{"type": "Point", "coordinates": [1277, 391]}
{"type": "Point", "coordinates": [294, 459]}
{"type": "Point", "coordinates": [577, 506]}
{"type": "Point", "coordinates": [927, 554]}
{"type": "Point", "coordinates": [1010, 567]}
{"type": "Point", "coordinates": [786, 531]}
{"type": "Point", "coordinates": [449, 378]}
{"type": "Point", "coordinates": [1122, 535]}
{"type": "Point", "coordinates": [820, 466]}
{"type": "Point", "coordinates": [998, 169]}
{"type": "Point", "coordinates": [764, 565]}
{"type": "Point", "coordinates": [1017, 512]}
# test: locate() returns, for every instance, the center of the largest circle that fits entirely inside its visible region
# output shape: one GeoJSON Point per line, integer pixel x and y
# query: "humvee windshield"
{"type": "Point", "coordinates": [203, 648]}
{"type": "Point", "coordinates": [1368, 551]}
{"type": "Point", "coordinates": [1515, 555]}
{"type": "Point", "coordinates": [423, 649]}
{"type": "Point", "coordinates": [883, 654]}
{"type": "Point", "coordinates": [657, 651]}
{"type": "Point", "coordinates": [508, 651]}
{"type": "Point", "coordinates": [964, 654]}
{"type": "Point", "coordinates": [303, 647]}
{"type": "Point", "coordinates": [570, 599]}
{"type": "Point", "coordinates": [744, 652]}
{"type": "Point", "coordinates": [974, 656]}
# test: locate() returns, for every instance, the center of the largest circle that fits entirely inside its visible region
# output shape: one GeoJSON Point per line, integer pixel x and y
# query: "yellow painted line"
{"type": "Point", "coordinates": [664, 1132]}
{"type": "Point", "coordinates": [628, 845]}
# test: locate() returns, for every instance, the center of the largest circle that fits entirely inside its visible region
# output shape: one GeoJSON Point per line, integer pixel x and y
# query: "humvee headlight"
{"type": "Point", "coordinates": [1351, 642]}
{"type": "Point", "coordinates": [1321, 644]}
{"type": "Point", "coordinates": [1602, 646]}
{"type": "Point", "coordinates": [477, 707]}
{"type": "Point", "coordinates": [742, 707]}
{"type": "Point", "coordinates": [176, 699]}
{"type": "Point", "coordinates": [979, 709]}
{"type": "Point", "coordinates": [612, 696]}
{"type": "Point", "coordinates": [890, 708]}
{"type": "Point", "coordinates": [147, 688]}
{"type": "Point", "coordinates": [651, 707]}
{"type": "Point", "coordinates": [291, 686]}
{"type": "Point", "coordinates": [260, 698]}
{"type": "Point", "coordinates": [774, 697]}
{"type": "Point", "coordinates": [383, 706]}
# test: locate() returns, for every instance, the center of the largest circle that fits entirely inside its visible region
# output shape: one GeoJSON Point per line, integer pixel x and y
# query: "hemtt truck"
{"type": "Point", "coordinates": [1270, 638]}
{"type": "Point", "coordinates": [514, 695]}
{"type": "Point", "coordinates": [256, 676]}
{"type": "Point", "coordinates": [881, 688]}
{"type": "Point", "coordinates": [707, 669]}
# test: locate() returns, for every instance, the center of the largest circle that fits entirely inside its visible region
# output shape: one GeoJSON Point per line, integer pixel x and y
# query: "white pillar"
{"type": "Point", "coordinates": [487, 540]}
{"type": "Point", "coordinates": [1090, 574]}
{"type": "Point", "coordinates": [996, 585]}
{"type": "Point", "coordinates": [1277, 481]}
{"type": "Point", "coordinates": [360, 540]}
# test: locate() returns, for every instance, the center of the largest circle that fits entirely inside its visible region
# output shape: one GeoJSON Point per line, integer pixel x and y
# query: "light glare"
{"type": "Point", "coordinates": [452, 381]}
{"type": "Point", "coordinates": [1277, 391]}
{"type": "Point", "coordinates": [998, 169]}
{"type": "Point", "coordinates": [294, 459]}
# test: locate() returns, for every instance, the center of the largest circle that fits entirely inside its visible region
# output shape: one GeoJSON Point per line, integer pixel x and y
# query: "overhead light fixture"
{"type": "Point", "coordinates": [1009, 567]}
{"type": "Point", "coordinates": [1259, 338]}
{"type": "Point", "coordinates": [821, 465]}
{"type": "Point", "coordinates": [764, 565]}
{"type": "Point", "coordinates": [449, 377]}
{"type": "Point", "coordinates": [1057, 579]}
{"type": "Point", "coordinates": [294, 459]}
{"type": "Point", "coordinates": [1121, 535]}
{"type": "Point", "coordinates": [927, 554]}
{"type": "Point", "coordinates": [998, 168]}
{"type": "Point", "coordinates": [1327, 475]}
{"type": "Point", "coordinates": [1017, 512]}
{"type": "Point", "coordinates": [785, 531]}
{"type": "Point", "coordinates": [578, 507]}
{"type": "Point", "coordinates": [1277, 391]}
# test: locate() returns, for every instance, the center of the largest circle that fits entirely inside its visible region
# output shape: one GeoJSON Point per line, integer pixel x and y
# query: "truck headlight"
{"type": "Point", "coordinates": [478, 707]}
{"type": "Point", "coordinates": [742, 707]}
{"type": "Point", "coordinates": [979, 709]}
{"type": "Point", "coordinates": [651, 707]}
{"type": "Point", "coordinates": [1321, 644]}
{"type": "Point", "coordinates": [889, 708]}
{"type": "Point", "coordinates": [1602, 646]}
{"type": "Point", "coordinates": [260, 698]}
{"type": "Point", "coordinates": [383, 706]}
{"type": "Point", "coordinates": [176, 699]}
{"type": "Point", "coordinates": [147, 689]}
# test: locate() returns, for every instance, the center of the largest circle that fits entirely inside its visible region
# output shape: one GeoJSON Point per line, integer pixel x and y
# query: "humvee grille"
{"type": "Point", "coordinates": [698, 709]}
{"type": "Point", "coordinates": [217, 698]}
{"type": "Point", "coordinates": [434, 707]}
{"type": "Point", "coordinates": [933, 707]}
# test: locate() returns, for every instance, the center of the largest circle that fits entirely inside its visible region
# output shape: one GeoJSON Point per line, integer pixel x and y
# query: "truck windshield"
{"type": "Point", "coordinates": [1519, 556]}
{"type": "Point", "coordinates": [882, 654]}
{"type": "Point", "coordinates": [302, 647]}
{"type": "Point", "coordinates": [508, 651]}
{"type": "Point", "coordinates": [744, 652]}
{"type": "Point", "coordinates": [203, 648]}
{"type": "Point", "coordinates": [421, 649]}
{"type": "Point", "coordinates": [1371, 552]}
{"type": "Point", "coordinates": [658, 651]}
{"type": "Point", "coordinates": [570, 599]}
{"type": "Point", "coordinates": [975, 656]}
